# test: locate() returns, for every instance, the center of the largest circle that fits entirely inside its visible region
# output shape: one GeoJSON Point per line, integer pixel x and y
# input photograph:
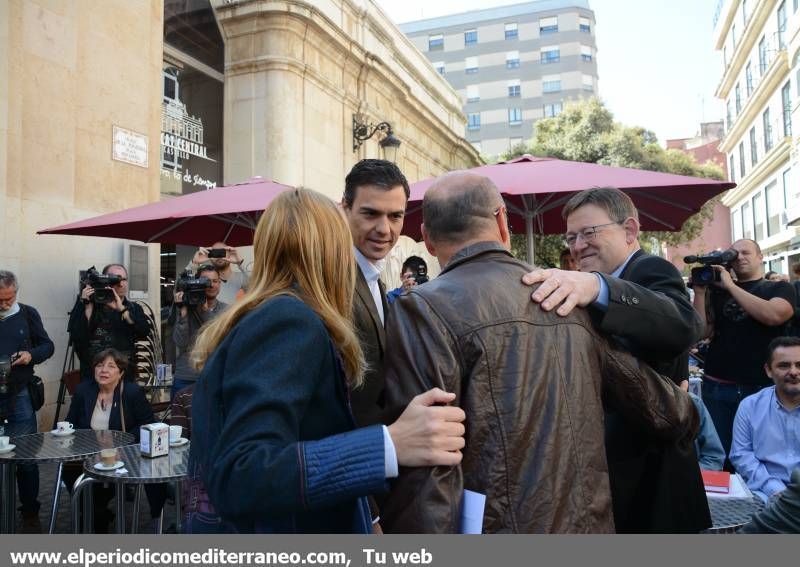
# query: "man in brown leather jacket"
{"type": "Point", "coordinates": [529, 381]}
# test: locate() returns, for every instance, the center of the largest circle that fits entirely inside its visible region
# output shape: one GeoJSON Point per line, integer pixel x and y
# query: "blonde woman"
{"type": "Point", "coordinates": [274, 442]}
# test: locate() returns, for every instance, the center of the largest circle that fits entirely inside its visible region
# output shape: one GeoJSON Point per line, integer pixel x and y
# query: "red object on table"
{"type": "Point", "coordinates": [717, 481]}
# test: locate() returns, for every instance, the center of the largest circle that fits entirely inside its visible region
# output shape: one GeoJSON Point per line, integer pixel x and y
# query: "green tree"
{"type": "Point", "coordinates": [586, 131]}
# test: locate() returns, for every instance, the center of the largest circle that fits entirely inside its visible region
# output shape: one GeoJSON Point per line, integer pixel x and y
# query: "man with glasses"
{"type": "Point", "coordinates": [642, 302]}
{"type": "Point", "coordinates": [118, 324]}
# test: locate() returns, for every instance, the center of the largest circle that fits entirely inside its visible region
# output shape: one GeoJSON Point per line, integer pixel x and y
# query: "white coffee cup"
{"type": "Point", "coordinates": [175, 433]}
{"type": "Point", "coordinates": [64, 426]}
{"type": "Point", "coordinates": [4, 441]}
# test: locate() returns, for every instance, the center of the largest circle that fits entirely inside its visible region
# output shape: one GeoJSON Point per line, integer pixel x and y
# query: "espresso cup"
{"type": "Point", "coordinates": [4, 441]}
{"type": "Point", "coordinates": [64, 426]}
{"type": "Point", "coordinates": [108, 457]}
{"type": "Point", "coordinates": [175, 433]}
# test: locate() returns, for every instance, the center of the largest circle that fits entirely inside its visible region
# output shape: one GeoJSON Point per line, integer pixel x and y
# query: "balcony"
{"type": "Point", "coordinates": [775, 75]}
{"type": "Point", "coordinates": [745, 43]}
{"type": "Point", "coordinates": [772, 161]}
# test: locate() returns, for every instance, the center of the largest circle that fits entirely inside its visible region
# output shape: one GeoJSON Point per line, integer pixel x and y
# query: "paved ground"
{"type": "Point", "coordinates": [47, 479]}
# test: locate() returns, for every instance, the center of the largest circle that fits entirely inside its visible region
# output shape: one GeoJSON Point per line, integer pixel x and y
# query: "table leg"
{"type": "Point", "coordinates": [178, 485]}
{"type": "Point", "coordinates": [8, 517]}
{"type": "Point", "coordinates": [81, 498]}
{"type": "Point", "coordinates": [56, 493]}
{"type": "Point", "coordinates": [119, 489]}
{"type": "Point", "coordinates": [135, 516]}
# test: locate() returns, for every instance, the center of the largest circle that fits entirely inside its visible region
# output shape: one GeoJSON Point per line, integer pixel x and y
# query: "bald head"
{"type": "Point", "coordinates": [460, 207]}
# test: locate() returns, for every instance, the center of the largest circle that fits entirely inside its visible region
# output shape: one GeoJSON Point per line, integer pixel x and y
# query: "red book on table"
{"type": "Point", "coordinates": [717, 481]}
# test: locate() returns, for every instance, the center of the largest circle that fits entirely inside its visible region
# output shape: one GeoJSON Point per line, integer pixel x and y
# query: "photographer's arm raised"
{"type": "Point", "coordinates": [772, 312]}
{"type": "Point", "coordinates": [701, 296]}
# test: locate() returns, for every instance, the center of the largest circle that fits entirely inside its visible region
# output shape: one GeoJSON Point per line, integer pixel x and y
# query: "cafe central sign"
{"type": "Point", "coordinates": [181, 133]}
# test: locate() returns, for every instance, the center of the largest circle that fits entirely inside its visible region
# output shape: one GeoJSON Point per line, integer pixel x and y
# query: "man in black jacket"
{"type": "Point", "coordinates": [118, 324]}
{"type": "Point", "coordinates": [642, 302]}
{"type": "Point", "coordinates": [24, 341]}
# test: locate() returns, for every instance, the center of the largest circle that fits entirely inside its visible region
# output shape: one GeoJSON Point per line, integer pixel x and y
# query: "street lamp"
{"type": "Point", "coordinates": [362, 131]}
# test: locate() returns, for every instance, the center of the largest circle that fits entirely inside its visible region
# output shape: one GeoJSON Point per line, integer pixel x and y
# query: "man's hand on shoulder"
{"type": "Point", "coordinates": [562, 289]}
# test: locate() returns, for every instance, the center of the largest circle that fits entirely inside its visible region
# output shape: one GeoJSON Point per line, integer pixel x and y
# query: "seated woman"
{"type": "Point", "coordinates": [109, 403]}
{"type": "Point", "coordinates": [273, 439]}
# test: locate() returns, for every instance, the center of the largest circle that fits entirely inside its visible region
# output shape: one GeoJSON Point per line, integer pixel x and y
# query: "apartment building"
{"type": "Point", "coordinates": [759, 85]}
{"type": "Point", "coordinates": [512, 65]}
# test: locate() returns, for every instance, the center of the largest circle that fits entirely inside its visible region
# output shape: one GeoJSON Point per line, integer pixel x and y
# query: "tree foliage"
{"type": "Point", "coordinates": [586, 131]}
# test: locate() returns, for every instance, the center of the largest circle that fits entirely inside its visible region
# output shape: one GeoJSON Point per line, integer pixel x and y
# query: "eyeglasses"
{"type": "Point", "coordinates": [587, 234]}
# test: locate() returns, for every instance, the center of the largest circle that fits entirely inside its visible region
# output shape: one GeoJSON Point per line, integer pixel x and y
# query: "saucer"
{"type": "Point", "coordinates": [179, 443]}
{"type": "Point", "coordinates": [7, 449]}
{"type": "Point", "coordinates": [102, 467]}
{"type": "Point", "coordinates": [65, 433]}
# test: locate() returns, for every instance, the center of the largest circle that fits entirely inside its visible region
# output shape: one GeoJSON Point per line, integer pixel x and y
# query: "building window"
{"type": "Point", "coordinates": [474, 121]}
{"type": "Point", "coordinates": [775, 205]}
{"type": "Point", "coordinates": [741, 160]}
{"type": "Point", "coordinates": [753, 147]}
{"type": "Point", "coordinates": [511, 31]}
{"type": "Point", "coordinates": [551, 84]}
{"type": "Point", "coordinates": [470, 37]}
{"type": "Point", "coordinates": [439, 66]}
{"type": "Point", "coordinates": [789, 198]}
{"type": "Point", "coordinates": [552, 110]}
{"type": "Point", "coordinates": [738, 95]}
{"type": "Point", "coordinates": [435, 42]}
{"type": "Point", "coordinates": [725, 56]}
{"type": "Point", "coordinates": [758, 217]}
{"type": "Point", "coordinates": [585, 25]}
{"type": "Point", "coordinates": [512, 60]}
{"type": "Point", "coordinates": [736, 224]}
{"type": "Point", "coordinates": [747, 220]}
{"type": "Point", "coordinates": [762, 55]}
{"type": "Point", "coordinates": [787, 110]}
{"type": "Point", "coordinates": [586, 53]}
{"type": "Point", "coordinates": [514, 89]}
{"type": "Point", "coordinates": [728, 115]}
{"type": "Point", "coordinates": [748, 75]}
{"type": "Point", "coordinates": [548, 25]}
{"type": "Point", "coordinates": [767, 126]}
{"type": "Point", "coordinates": [782, 25]}
{"type": "Point", "coordinates": [550, 54]}
{"type": "Point", "coordinates": [733, 35]}
{"type": "Point", "coordinates": [473, 93]}
{"type": "Point", "coordinates": [514, 116]}
{"type": "Point", "coordinates": [471, 65]}
{"type": "Point", "coordinates": [745, 12]}
{"type": "Point", "coordinates": [587, 82]}
{"type": "Point", "coordinates": [732, 169]}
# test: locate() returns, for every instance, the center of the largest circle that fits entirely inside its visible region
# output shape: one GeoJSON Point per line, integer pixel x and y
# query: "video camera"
{"type": "Point", "coordinates": [421, 275]}
{"type": "Point", "coordinates": [193, 288]}
{"type": "Point", "coordinates": [101, 284]}
{"type": "Point", "coordinates": [5, 371]}
{"type": "Point", "coordinates": [706, 274]}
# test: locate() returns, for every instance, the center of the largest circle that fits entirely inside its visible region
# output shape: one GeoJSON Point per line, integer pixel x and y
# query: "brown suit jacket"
{"type": "Point", "coordinates": [367, 401]}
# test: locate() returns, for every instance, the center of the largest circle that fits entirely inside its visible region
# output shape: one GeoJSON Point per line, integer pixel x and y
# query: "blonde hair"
{"type": "Point", "coordinates": [302, 248]}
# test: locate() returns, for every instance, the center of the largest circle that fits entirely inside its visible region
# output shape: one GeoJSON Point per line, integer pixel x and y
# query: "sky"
{"type": "Point", "coordinates": [656, 61]}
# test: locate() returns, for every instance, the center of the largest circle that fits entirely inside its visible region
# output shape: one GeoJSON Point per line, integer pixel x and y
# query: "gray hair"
{"type": "Point", "coordinates": [8, 279]}
{"type": "Point", "coordinates": [613, 201]}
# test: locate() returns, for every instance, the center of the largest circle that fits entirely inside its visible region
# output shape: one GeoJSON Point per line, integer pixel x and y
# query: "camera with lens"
{"type": "Point", "coordinates": [5, 371]}
{"type": "Point", "coordinates": [421, 275]}
{"type": "Point", "coordinates": [101, 284]}
{"type": "Point", "coordinates": [706, 274]}
{"type": "Point", "coordinates": [193, 288]}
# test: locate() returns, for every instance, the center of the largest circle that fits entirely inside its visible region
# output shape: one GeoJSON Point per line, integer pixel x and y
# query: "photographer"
{"type": "Point", "coordinates": [191, 318]}
{"type": "Point", "coordinates": [413, 273]}
{"type": "Point", "coordinates": [95, 326]}
{"type": "Point", "coordinates": [223, 257]}
{"type": "Point", "coordinates": [741, 318]}
{"type": "Point", "coordinates": [23, 343]}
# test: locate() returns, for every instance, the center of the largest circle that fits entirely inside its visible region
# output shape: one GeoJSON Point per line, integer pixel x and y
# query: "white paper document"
{"type": "Point", "coordinates": [472, 512]}
{"type": "Point", "coordinates": [738, 489]}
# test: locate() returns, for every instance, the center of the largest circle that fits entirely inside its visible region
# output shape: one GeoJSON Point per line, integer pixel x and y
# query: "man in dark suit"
{"type": "Point", "coordinates": [374, 203]}
{"type": "Point", "coordinates": [640, 300]}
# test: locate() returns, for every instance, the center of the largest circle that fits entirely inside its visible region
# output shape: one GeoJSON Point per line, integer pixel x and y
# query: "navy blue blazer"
{"type": "Point", "coordinates": [138, 411]}
{"type": "Point", "coordinates": [273, 437]}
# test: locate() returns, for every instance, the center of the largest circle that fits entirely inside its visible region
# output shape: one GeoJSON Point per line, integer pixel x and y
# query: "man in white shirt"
{"type": "Point", "coordinates": [374, 203]}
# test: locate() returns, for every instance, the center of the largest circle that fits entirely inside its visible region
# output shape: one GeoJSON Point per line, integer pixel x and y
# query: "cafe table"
{"type": "Point", "coordinates": [136, 470]}
{"type": "Point", "coordinates": [47, 447]}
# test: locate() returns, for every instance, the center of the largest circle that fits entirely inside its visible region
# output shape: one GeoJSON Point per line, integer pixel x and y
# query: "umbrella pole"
{"type": "Point", "coordinates": [529, 237]}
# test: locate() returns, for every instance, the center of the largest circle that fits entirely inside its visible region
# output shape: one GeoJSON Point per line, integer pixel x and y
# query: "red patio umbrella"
{"type": "Point", "coordinates": [224, 214]}
{"type": "Point", "coordinates": [535, 190]}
